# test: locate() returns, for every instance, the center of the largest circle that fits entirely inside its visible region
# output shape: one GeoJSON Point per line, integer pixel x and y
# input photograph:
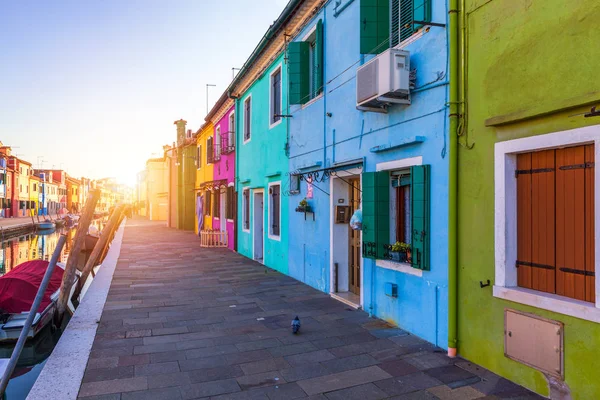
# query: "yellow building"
{"type": "Point", "coordinates": [73, 204]}
{"type": "Point", "coordinates": [157, 187]}
{"type": "Point", "coordinates": [205, 171]}
{"type": "Point", "coordinates": [34, 194]}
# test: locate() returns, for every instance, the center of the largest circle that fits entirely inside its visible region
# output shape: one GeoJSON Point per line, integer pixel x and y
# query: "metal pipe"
{"type": "Point", "coordinates": [12, 363]}
{"type": "Point", "coordinates": [453, 180]}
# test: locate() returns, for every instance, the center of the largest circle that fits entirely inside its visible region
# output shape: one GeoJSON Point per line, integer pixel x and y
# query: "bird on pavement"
{"type": "Point", "coordinates": [296, 325]}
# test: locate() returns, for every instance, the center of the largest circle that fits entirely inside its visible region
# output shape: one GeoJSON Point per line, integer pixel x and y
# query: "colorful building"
{"type": "Point", "coordinates": [172, 168]}
{"type": "Point", "coordinates": [205, 186]}
{"type": "Point", "coordinates": [35, 188]}
{"type": "Point", "coordinates": [73, 191]}
{"type": "Point", "coordinates": [186, 177]}
{"type": "Point", "coordinates": [157, 183]}
{"type": "Point", "coordinates": [528, 199]}
{"type": "Point", "coordinates": [222, 116]}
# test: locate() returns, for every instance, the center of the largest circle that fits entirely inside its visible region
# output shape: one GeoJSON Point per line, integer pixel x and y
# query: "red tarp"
{"type": "Point", "coordinates": [19, 287]}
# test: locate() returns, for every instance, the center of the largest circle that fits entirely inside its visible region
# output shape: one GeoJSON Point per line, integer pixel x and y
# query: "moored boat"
{"type": "Point", "coordinates": [17, 293]}
{"type": "Point", "coordinates": [45, 225]}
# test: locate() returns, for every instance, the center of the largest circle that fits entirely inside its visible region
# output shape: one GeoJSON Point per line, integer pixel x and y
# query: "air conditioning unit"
{"type": "Point", "coordinates": [383, 81]}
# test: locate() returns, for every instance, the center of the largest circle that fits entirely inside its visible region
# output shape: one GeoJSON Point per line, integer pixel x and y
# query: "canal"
{"type": "Point", "coordinates": [15, 251]}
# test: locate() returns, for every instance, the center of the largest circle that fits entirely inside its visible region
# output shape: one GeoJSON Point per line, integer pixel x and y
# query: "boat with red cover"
{"type": "Point", "coordinates": [17, 292]}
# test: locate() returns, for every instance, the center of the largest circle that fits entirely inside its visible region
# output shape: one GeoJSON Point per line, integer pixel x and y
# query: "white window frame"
{"type": "Point", "coordinates": [247, 230]}
{"type": "Point", "coordinates": [392, 166]}
{"type": "Point", "coordinates": [217, 141]}
{"type": "Point", "coordinates": [505, 163]}
{"type": "Point", "coordinates": [275, 70]}
{"type": "Point", "coordinates": [270, 234]}
{"type": "Point", "coordinates": [231, 133]}
{"type": "Point", "coordinates": [244, 140]}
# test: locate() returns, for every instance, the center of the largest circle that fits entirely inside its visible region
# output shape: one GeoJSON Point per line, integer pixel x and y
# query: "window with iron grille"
{"type": "Point", "coordinates": [230, 202]}
{"type": "Point", "coordinates": [555, 222]}
{"type": "Point", "coordinates": [274, 212]}
{"type": "Point", "coordinates": [246, 209]}
{"type": "Point", "coordinates": [247, 118]}
{"type": "Point", "coordinates": [275, 114]}
{"type": "Point", "coordinates": [207, 203]}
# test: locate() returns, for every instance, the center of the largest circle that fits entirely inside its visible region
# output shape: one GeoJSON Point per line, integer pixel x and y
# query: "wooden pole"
{"type": "Point", "coordinates": [107, 233]}
{"type": "Point", "coordinates": [78, 242]}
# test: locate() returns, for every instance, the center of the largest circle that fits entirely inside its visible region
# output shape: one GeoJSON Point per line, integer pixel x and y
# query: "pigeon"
{"type": "Point", "coordinates": [296, 325]}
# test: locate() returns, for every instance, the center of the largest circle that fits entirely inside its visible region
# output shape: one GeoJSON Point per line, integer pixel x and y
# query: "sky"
{"type": "Point", "coordinates": [93, 87]}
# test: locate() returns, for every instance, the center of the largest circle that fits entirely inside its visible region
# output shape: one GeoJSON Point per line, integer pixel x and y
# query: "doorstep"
{"type": "Point", "coordinates": [347, 298]}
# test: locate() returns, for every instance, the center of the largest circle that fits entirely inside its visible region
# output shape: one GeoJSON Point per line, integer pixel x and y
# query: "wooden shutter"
{"type": "Point", "coordinates": [217, 204]}
{"type": "Point", "coordinates": [275, 201]}
{"type": "Point", "coordinates": [247, 118]}
{"type": "Point", "coordinates": [318, 59]}
{"type": "Point", "coordinates": [376, 213]}
{"type": "Point", "coordinates": [570, 223]}
{"type": "Point", "coordinates": [276, 96]}
{"type": "Point", "coordinates": [524, 278]}
{"type": "Point", "coordinates": [229, 199]}
{"type": "Point", "coordinates": [590, 266]}
{"type": "Point", "coordinates": [374, 26]}
{"type": "Point", "coordinates": [420, 215]}
{"type": "Point", "coordinates": [298, 72]}
{"type": "Point", "coordinates": [208, 204]}
{"type": "Point", "coordinates": [246, 195]}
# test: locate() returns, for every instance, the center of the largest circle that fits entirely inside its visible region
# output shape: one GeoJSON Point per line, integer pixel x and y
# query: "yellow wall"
{"type": "Point", "coordinates": [205, 173]}
{"type": "Point", "coordinates": [157, 187]}
{"type": "Point", "coordinates": [34, 193]}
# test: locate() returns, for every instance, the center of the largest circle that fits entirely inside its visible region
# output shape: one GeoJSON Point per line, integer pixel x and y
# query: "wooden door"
{"type": "Point", "coordinates": [354, 248]}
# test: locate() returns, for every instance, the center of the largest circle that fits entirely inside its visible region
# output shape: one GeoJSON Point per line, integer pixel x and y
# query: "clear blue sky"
{"type": "Point", "coordinates": [94, 86]}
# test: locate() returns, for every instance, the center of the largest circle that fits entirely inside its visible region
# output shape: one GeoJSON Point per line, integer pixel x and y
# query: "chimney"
{"type": "Point", "coordinates": [180, 131]}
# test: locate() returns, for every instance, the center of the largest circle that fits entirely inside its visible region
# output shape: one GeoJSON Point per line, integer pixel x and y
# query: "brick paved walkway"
{"type": "Point", "coordinates": [183, 322]}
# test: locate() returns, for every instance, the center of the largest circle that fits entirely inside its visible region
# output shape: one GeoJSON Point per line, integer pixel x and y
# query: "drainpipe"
{"type": "Point", "coordinates": [452, 181]}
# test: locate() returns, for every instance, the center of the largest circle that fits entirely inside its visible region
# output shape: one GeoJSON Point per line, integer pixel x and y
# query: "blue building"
{"type": "Point", "coordinates": [368, 113]}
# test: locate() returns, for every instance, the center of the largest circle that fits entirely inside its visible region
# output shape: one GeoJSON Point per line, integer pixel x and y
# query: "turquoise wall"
{"type": "Point", "coordinates": [260, 161]}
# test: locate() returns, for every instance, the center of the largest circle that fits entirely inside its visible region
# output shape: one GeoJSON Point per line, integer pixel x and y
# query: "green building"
{"type": "Point", "coordinates": [186, 177]}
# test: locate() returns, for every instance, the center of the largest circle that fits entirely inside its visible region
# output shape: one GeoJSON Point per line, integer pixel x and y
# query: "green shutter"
{"type": "Point", "coordinates": [374, 26]}
{"type": "Point", "coordinates": [319, 61]}
{"type": "Point", "coordinates": [376, 213]}
{"type": "Point", "coordinates": [421, 12]}
{"type": "Point", "coordinates": [298, 72]}
{"type": "Point", "coordinates": [410, 11]}
{"type": "Point", "coordinates": [420, 208]}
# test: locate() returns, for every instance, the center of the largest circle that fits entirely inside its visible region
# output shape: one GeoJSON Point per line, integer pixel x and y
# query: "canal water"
{"type": "Point", "coordinates": [14, 251]}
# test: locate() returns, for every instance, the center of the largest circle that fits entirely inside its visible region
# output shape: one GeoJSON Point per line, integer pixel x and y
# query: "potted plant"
{"type": "Point", "coordinates": [303, 206]}
{"type": "Point", "coordinates": [401, 252]}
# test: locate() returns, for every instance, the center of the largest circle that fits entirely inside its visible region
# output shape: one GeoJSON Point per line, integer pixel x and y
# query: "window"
{"type": "Point", "coordinates": [382, 27]}
{"type": "Point", "coordinates": [199, 156]}
{"type": "Point", "coordinates": [305, 60]}
{"type": "Point", "coordinates": [246, 209]}
{"type": "Point", "coordinates": [247, 118]}
{"type": "Point", "coordinates": [209, 150]}
{"type": "Point", "coordinates": [275, 109]}
{"type": "Point", "coordinates": [207, 203]}
{"type": "Point", "coordinates": [555, 222]}
{"type": "Point", "coordinates": [231, 136]}
{"type": "Point", "coordinates": [294, 184]}
{"type": "Point", "coordinates": [275, 210]}
{"type": "Point", "coordinates": [230, 210]}
{"type": "Point", "coordinates": [396, 209]}
{"type": "Point", "coordinates": [217, 204]}
{"type": "Point", "coordinates": [35, 187]}
{"type": "Point", "coordinates": [217, 149]}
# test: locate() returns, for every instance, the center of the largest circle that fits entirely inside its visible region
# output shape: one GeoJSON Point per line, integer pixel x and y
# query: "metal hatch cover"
{"type": "Point", "coordinates": [534, 341]}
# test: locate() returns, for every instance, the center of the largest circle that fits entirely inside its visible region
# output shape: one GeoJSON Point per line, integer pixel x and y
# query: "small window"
{"type": "Point", "coordinates": [230, 209]}
{"type": "Point", "coordinates": [217, 204]}
{"type": "Point", "coordinates": [217, 143]}
{"type": "Point", "coordinates": [275, 210]}
{"type": "Point", "coordinates": [199, 156]}
{"type": "Point", "coordinates": [231, 136]}
{"type": "Point", "coordinates": [401, 202]}
{"type": "Point", "coordinates": [294, 184]}
{"type": "Point", "coordinates": [246, 209]}
{"type": "Point", "coordinates": [207, 203]}
{"type": "Point", "coordinates": [209, 150]}
{"type": "Point", "coordinates": [275, 115]}
{"type": "Point", "coordinates": [247, 118]}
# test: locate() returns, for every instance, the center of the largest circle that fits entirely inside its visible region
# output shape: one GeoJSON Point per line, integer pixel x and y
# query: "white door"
{"type": "Point", "coordinates": [258, 218]}
{"type": "Point", "coordinates": [222, 212]}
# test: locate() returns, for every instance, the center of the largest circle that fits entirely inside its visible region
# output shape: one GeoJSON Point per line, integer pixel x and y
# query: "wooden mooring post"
{"type": "Point", "coordinates": [103, 243]}
{"type": "Point", "coordinates": [78, 241]}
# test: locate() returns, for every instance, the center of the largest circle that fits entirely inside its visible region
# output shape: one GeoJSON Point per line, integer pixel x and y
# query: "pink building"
{"type": "Point", "coordinates": [223, 118]}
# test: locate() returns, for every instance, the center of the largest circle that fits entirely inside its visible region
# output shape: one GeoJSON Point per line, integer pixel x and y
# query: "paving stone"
{"type": "Point", "coordinates": [407, 383]}
{"type": "Point", "coordinates": [172, 393]}
{"type": "Point", "coordinates": [464, 393]}
{"type": "Point", "coordinates": [310, 357]}
{"type": "Point", "coordinates": [113, 386]}
{"type": "Point", "coordinates": [154, 348]}
{"type": "Point", "coordinates": [362, 392]}
{"type": "Point", "coordinates": [285, 392]}
{"type": "Point", "coordinates": [207, 389]}
{"type": "Point", "coordinates": [215, 374]}
{"type": "Point", "coordinates": [419, 395]}
{"type": "Point", "coordinates": [270, 364]}
{"type": "Point", "coordinates": [429, 360]}
{"type": "Point", "coordinates": [168, 380]}
{"type": "Point", "coordinates": [259, 380]}
{"type": "Point", "coordinates": [116, 396]}
{"type": "Point", "coordinates": [361, 348]}
{"type": "Point", "coordinates": [342, 380]}
{"type": "Point", "coordinates": [157, 369]}
{"type": "Point", "coordinates": [211, 351]}
{"type": "Point", "coordinates": [348, 363]}
{"type": "Point", "coordinates": [258, 345]}
{"type": "Point", "coordinates": [202, 363]}
{"type": "Point", "coordinates": [167, 356]}
{"type": "Point", "coordinates": [140, 359]}
{"type": "Point", "coordinates": [328, 343]}
{"type": "Point", "coordinates": [105, 374]}
{"type": "Point", "coordinates": [107, 362]}
{"type": "Point", "coordinates": [398, 367]}
{"type": "Point", "coordinates": [247, 356]}
{"type": "Point", "coordinates": [139, 334]}
{"type": "Point", "coordinates": [304, 371]}
{"type": "Point", "coordinates": [292, 349]}
{"type": "Point", "coordinates": [358, 338]}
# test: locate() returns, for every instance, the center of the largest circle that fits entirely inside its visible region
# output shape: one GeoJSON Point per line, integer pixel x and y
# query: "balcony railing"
{"type": "Point", "coordinates": [227, 143]}
{"type": "Point", "coordinates": [217, 152]}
